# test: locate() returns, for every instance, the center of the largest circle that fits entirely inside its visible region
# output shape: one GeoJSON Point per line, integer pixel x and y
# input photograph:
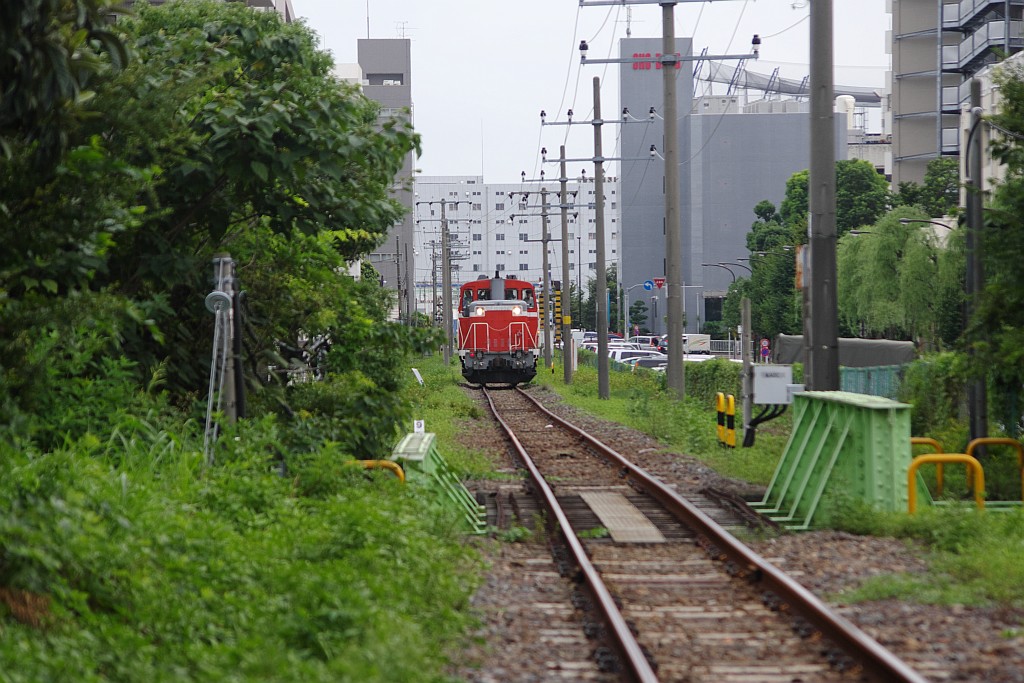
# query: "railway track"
{"type": "Point", "coordinates": [668, 589]}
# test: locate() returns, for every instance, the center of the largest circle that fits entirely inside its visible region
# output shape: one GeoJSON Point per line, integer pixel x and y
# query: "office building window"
{"type": "Point", "coordinates": [499, 206]}
{"type": "Point", "coordinates": [478, 236]}
{"type": "Point", "coordinates": [523, 236]}
{"type": "Point", "coordinates": [500, 236]}
{"type": "Point", "coordinates": [499, 267]}
{"type": "Point", "coordinates": [524, 266]}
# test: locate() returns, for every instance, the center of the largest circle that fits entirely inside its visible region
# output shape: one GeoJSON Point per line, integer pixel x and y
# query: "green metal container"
{"type": "Point", "coordinates": [844, 443]}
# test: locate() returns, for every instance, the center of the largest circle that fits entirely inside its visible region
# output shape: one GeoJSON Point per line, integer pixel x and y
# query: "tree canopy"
{"type": "Point", "coordinates": [223, 131]}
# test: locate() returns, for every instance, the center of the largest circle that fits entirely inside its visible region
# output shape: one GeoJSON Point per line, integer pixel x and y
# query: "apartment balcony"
{"type": "Point", "coordinates": [967, 14]}
{"type": "Point", "coordinates": [978, 48]}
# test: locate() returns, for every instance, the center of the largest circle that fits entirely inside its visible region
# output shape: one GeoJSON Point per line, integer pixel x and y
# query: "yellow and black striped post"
{"type": "Point", "coordinates": [720, 407]}
{"type": "Point", "coordinates": [730, 421]}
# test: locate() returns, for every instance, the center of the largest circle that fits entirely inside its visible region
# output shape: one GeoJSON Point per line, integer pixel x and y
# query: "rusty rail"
{"type": "Point", "coordinates": [876, 660]}
{"type": "Point", "coordinates": [629, 649]}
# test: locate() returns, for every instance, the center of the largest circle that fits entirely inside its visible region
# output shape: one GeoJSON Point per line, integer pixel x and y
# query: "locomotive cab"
{"type": "Point", "coordinates": [498, 340]}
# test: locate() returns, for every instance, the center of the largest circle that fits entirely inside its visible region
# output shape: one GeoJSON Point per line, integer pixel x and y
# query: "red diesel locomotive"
{"type": "Point", "coordinates": [498, 340]}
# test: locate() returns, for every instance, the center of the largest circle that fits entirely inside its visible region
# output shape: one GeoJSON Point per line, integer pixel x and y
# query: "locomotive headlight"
{"type": "Point", "coordinates": [516, 310]}
{"type": "Point", "coordinates": [479, 310]}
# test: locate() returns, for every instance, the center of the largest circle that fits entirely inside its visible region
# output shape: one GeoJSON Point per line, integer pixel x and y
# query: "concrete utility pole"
{"type": "Point", "coordinates": [544, 277]}
{"type": "Point", "coordinates": [746, 385]}
{"type": "Point", "coordinates": [668, 62]}
{"type": "Point", "coordinates": [601, 305]}
{"type": "Point", "coordinates": [446, 286]}
{"type": "Point", "coordinates": [567, 341]}
{"type": "Point", "coordinates": [821, 319]}
{"type": "Point", "coordinates": [433, 277]}
{"type": "Point", "coordinates": [446, 274]}
{"type": "Point", "coordinates": [673, 227]}
{"type": "Point", "coordinates": [977, 393]}
{"type": "Point", "coordinates": [545, 323]}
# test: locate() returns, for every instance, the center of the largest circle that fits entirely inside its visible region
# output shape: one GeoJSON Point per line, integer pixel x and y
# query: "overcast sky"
{"type": "Point", "coordinates": [482, 70]}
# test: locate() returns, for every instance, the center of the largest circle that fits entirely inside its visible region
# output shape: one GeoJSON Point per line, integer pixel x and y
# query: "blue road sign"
{"type": "Point", "coordinates": [649, 285]}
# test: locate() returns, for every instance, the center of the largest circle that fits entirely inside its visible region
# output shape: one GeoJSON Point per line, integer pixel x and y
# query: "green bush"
{"type": "Point", "coordinates": [228, 574]}
{"type": "Point", "coordinates": [936, 388]}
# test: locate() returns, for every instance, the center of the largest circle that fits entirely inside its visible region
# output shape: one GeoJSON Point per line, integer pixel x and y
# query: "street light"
{"type": "Point", "coordinates": [940, 224]}
{"type": "Point", "coordinates": [720, 265]}
{"type": "Point", "coordinates": [730, 263]}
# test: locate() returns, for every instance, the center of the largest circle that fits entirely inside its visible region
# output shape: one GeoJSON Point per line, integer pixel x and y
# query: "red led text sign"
{"type": "Point", "coordinates": [647, 66]}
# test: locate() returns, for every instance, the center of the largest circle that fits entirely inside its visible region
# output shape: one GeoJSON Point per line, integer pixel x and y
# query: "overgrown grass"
{"type": "Point", "coordinates": [446, 409]}
{"type": "Point", "coordinates": [641, 401]}
{"type": "Point", "coordinates": [124, 556]}
{"type": "Point", "coordinates": [976, 558]}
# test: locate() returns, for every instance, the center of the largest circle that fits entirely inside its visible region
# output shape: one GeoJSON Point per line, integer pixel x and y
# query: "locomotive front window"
{"type": "Point", "coordinates": [528, 297]}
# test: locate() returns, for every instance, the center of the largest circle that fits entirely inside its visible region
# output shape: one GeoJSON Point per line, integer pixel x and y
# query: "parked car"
{"type": "Point", "coordinates": [646, 340]}
{"type": "Point", "coordinates": [621, 355]}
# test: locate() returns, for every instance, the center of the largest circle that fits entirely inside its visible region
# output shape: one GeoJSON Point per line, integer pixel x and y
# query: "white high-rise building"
{"type": "Point", "coordinates": [498, 227]}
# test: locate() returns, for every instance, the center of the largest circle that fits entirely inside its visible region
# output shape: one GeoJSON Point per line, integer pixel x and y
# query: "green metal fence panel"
{"type": "Point", "coordinates": [842, 442]}
{"type": "Point", "coordinates": [878, 380]}
{"type": "Point", "coordinates": [418, 455]}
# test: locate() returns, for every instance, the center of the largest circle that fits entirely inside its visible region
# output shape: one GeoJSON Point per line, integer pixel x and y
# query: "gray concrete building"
{"type": "Point", "coordinates": [731, 157]}
{"type": "Point", "coordinates": [386, 64]}
{"type": "Point", "coordinates": [937, 47]}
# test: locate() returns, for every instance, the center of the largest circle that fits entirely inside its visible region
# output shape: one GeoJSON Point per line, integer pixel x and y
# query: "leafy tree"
{"type": "Point", "coordinates": [942, 186]}
{"type": "Point", "coordinates": [50, 51]}
{"type": "Point", "coordinates": [996, 331]}
{"type": "Point", "coordinates": [255, 133]}
{"type": "Point", "coordinates": [638, 315]}
{"type": "Point", "coordinates": [225, 133]}
{"type": "Point", "coordinates": [940, 194]}
{"type": "Point", "coordinates": [771, 284]}
{"type": "Point", "coordinates": [862, 195]}
{"type": "Point", "coordinates": [794, 207]}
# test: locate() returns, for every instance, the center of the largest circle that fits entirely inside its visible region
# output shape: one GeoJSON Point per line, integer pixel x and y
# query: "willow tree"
{"type": "Point", "coordinates": [900, 280]}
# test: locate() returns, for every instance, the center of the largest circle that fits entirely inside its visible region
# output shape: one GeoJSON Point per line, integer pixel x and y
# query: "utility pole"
{"type": "Point", "coordinates": [446, 286]}
{"type": "Point", "coordinates": [398, 274]}
{"type": "Point", "coordinates": [545, 280]}
{"type": "Point", "coordinates": [567, 340]}
{"type": "Point", "coordinates": [544, 277]}
{"type": "Point", "coordinates": [676, 374]}
{"type": "Point", "coordinates": [746, 383]}
{"type": "Point", "coordinates": [446, 275]}
{"type": "Point", "coordinates": [601, 291]}
{"type": "Point", "coordinates": [433, 278]}
{"type": "Point", "coordinates": [669, 60]}
{"type": "Point", "coordinates": [821, 320]}
{"type": "Point", "coordinates": [977, 393]}
{"type": "Point", "coordinates": [601, 285]}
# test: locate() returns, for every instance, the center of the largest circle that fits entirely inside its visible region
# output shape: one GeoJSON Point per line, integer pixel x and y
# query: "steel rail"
{"type": "Point", "coordinates": [876, 659]}
{"type": "Point", "coordinates": [625, 642]}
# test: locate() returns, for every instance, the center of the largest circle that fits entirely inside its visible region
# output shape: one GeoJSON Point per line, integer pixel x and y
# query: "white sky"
{"type": "Point", "coordinates": [482, 70]}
